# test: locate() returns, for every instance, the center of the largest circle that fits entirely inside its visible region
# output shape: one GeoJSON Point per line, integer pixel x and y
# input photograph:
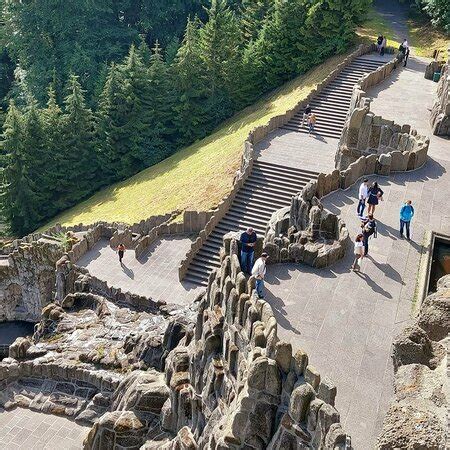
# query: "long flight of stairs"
{"type": "Point", "coordinates": [269, 187]}
{"type": "Point", "coordinates": [331, 104]}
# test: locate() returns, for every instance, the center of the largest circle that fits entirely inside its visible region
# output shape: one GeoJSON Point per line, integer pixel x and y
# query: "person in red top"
{"type": "Point", "coordinates": [120, 251]}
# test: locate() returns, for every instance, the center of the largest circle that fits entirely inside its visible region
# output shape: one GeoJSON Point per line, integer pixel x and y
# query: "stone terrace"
{"type": "Point", "coordinates": [346, 321]}
{"type": "Point", "coordinates": [154, 274]}
{"type": "Point", "coordinates": [25, 429]}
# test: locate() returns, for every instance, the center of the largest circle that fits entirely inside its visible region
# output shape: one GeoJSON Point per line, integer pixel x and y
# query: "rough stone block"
{"type": "Point", "coordinates": [312, 376]}
{"type": "Point", "coordinates": [327, 391]}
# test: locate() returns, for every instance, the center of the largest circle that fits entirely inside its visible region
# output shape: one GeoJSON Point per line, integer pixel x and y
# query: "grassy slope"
{"type": "Point", "coordinates": [198, 176]}
{"type": "Point", "coordinates": [425, 38]}
{"type": "Point", "coordinates": [374, 26]}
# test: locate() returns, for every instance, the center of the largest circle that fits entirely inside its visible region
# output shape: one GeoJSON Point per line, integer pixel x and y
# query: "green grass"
{"type": "Point", "coordinates": [196, 177]}
{"type": "Point", "coordinates": [425, 38]}
{"type": "Point", "coordinates": [375, 25]}
{"type": "Point", "coordinates": [199, 176]}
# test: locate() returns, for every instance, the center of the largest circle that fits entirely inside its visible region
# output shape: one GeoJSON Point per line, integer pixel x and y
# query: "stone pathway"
{"type": "Point", "coordinates": [25, 429]}
{"type": "Point", "coordinates": [154, 275]}
{"type": "Point", "coordinates": [346, 321]}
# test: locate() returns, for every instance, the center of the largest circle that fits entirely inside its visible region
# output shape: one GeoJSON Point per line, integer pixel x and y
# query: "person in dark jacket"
{"type": "Point", "coordinates": [120, 251]}
{"type": "Point", "coordinates": [368, 229]}
{"type": "Point", "coordinates": [306, 113]}
{"type": "Point", "coordinates": [406, 215]}
{"type": "Point", "coordinates": [248, 242]}
{"type": "Point", "coordinates": [375, 194]}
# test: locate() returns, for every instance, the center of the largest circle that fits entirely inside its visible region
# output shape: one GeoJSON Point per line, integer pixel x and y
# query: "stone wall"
{"type": "Point", "coordinates": [440, 114]}
{"type": "Point", "coordinates": [417, 415]}
{"type": "Point", "coordinates": [257, 135]}
{"type": "Point", "coordinates": [27, 281]}
{"type": "Point", "coordinates": [237, 385]}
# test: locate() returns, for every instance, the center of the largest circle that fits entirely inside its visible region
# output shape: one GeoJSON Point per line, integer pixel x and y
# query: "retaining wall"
{"type": "Point", "coordinates": [440, 114]}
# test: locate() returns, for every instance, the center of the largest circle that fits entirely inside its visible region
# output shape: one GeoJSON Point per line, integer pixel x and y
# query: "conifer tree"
{"type": "Point", "coordinates": [192, 105]}
{"type": "Point", "coordinates": [80, 162]}
{"type": "Point", "coordinates": [19, 200]}
{"type": "Point", "coordinates": [121, 122]}
{"type": "Point", "coordinates": [220, 43]}
{"type": "Point", "coordinates": [158, 108]}
{"type": "Point", "coordinates": [255, 14]}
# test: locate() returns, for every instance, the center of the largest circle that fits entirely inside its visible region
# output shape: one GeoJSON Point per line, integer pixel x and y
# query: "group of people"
{"type": "Point", "coordinates": [310, 118]}
{"type": "Point", "coordinates": [381, 44]}
{"type": "Point", "coordinates": [371, 196]}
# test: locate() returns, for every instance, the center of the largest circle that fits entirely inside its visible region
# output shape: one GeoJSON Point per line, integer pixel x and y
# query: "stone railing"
{"type": "Point", "coordinates": [238, 384]}
{"type": "Point", "coordinates": [193, 222]}
{"type": "Point", "coordinates": [440, 114]}
{"type": "Point", "coordinates": [257, 135]}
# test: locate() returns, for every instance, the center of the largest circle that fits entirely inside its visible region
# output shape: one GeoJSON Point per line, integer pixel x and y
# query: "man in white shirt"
{"type": "Point", "coordinates": [259, 272]}
{"type": "Point", "coordinates": [362, 196]}
{"type": "Point", "coordinates": [405, 51]}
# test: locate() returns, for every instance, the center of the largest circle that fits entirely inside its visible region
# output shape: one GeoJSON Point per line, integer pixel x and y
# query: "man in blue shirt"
{"type": "Point", "coordinates": [248, 242]}
{"type": "Point", "coordinates": [406, 214]}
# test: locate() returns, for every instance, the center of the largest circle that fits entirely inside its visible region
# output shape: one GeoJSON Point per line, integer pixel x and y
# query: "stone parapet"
{"type": "Point", "coordinates": [440, 114]}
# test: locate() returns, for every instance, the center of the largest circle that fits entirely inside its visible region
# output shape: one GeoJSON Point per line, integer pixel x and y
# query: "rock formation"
{"type": "Point", "coordinates": [306, 232]}
{"type": "Point", "coordinates": [417, 416]}
{"type": "Point", "coordinates": [440, 114]}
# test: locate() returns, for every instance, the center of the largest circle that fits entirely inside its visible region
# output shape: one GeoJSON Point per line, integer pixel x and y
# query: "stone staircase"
{"type": "Point", "coordinates": [269, 187]}
{"type": "Point", "coordinates": [331, 104]}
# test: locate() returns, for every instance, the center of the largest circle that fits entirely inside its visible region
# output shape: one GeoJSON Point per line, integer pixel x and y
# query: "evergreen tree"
{"type": "Point", "coordinates": [255, 14]}
{"type": "Point", "coordinates": [80, 162]}
{"type": "Point", "coordinates": [220, 43]}
{"type": "Point", "coordinates": [19, 201]}
{"type": "Point", "coordinates": [158, 109]}
{"type": "Point", "coordinates": [121, 119]}
{"type": "Point", "coordinates": [192, 106]}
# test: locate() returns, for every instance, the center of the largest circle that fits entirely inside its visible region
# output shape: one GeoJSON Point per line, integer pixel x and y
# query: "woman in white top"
{"type": "Point", "coordinates": [359, 252]}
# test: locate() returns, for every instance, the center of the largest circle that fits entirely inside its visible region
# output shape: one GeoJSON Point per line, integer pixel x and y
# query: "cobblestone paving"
{"type": "Point", "coordinates": [154, 275]}
{"type": "Point", "coordinates": [28, 430]}
{"type": "Point", "coordinates": [346, 321]}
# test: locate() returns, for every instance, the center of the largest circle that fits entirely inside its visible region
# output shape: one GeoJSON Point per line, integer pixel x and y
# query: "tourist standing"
{"type": "Point", "coordinates": [311, 122]}
{"type": "Point", "coordinates": [306, 113]}
{"type": "Point", "coordinates": [374, 195]}
{"type": "Point", "coordinates": [359, 253]}
{"type": "Point", "coordinates": [404, 48]}
{"type": "Point", "coordinates": [379, 42]}
{"type": "Point", "coordinates": [406, 215]}
{"type": "Point", "coordinates": [362, 197]}
{"type": "Point", "coordinates": [369, 228]}
{"type": "Point", "coordinates": [248, 242]}
{"type": "Point", "coordinates": [120, 251]}
{"type": "Point", "coordinates": [259, 272]}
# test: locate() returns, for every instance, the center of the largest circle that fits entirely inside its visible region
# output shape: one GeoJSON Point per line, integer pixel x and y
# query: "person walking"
{"type": "Point", "coordinates": [362, 197]}
{"type": "Point", "coordinates": [379, 42]}
{"type": "Point", "coordinates": [359, 253]}
{"type": "Point", "coordinates": [404, 48]}
{"type": "Point", "coordinates": [374, 195]}
{"type": "Point", "coordinates": [259, 272]}
{"type": "Point", "coordinates": [383, 46]}
{"type": "Point", "coordinates": [248, 242]}
{"type": "Point", "coordinates": [369, 228]}
{"type": "Point", "coordinates": [406, 215]}
{"type": "Point", "coordinates": [311, 122]}
{"type": "Point", "coordinates": [120, 251]}
{"type": "Point", "coordinates": [306, 113]}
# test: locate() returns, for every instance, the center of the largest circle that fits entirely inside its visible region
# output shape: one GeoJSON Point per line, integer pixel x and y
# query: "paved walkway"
{"type": "Point", "coordinates": [154, 275]}
{"type": "Point", "coordinates": [293, 149]}
{"type": "Point", "coordinates": [28, 430]}
{"type": "Point", "coordinates": [346, 321]}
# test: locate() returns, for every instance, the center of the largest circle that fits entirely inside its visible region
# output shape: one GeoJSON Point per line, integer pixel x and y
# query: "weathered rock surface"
{"type": "Point", "coordinates": [440, 114]}
{"type": "Point", "coordinates": [417, 416]}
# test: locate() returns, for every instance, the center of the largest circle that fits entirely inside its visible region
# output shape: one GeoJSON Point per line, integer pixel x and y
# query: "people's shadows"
{"type": "Point", "coordinates": [277, 273]}
{"type": "Point", "coordinates": [387, 269]}
{"type": "Point", "coordinates": [127, 271]}
{"type": "Point", "coordinates": [318, 137]}
{"type": "Point", "coordinates": [374, 286]}
{"type": "Point", "coordinates": [280, 313]}
{"type": "Point", "coordinates": [386, 230]}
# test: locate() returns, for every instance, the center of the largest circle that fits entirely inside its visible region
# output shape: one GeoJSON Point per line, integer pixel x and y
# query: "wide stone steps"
{"type": "Point", "coordinates": [269, 187]}
{"type": "Point", "coordinates": [331, 104]}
